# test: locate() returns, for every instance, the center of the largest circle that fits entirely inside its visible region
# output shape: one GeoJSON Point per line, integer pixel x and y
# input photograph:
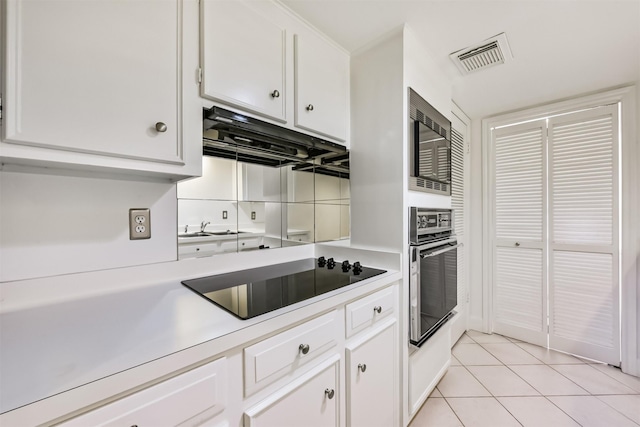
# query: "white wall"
{"type": "Point", "coordinates": [638, 227]}
{"type": "Point", "coordinates": [53, 222]}
{"type": "Point", "coordinates": [377, 141]}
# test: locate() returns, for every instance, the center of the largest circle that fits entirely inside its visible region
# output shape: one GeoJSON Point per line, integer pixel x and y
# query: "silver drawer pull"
{"type": "Point", "coordinates": [161, 127]}
{"type": "Point", "coordinates": [517, 243]}
{"type": "Point", "coordinates": [304, 348]}
{"type": "Point", "coordinates": [310, 107]}
{"type": "Point", "coordinates": [362, 367]}
{"type": "Point", "coordinates": [275, 94]}
{"type": "Point", "coordinates": [377, 309]}
{"type": "Point", "coordinates": [329, 393]}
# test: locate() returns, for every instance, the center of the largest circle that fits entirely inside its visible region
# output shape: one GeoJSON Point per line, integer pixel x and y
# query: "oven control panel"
{"type": "Point", "coordinates": [425, 222]}
{"type": "Point", "coordinates": [433, 220]}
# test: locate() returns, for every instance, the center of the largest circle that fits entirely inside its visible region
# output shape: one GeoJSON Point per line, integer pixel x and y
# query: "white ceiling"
{"type": "Point", "coordinates": [561, 48]}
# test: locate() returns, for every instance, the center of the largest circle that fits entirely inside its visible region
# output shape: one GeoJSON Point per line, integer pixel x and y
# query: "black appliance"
{"type": "Point", "coordinates": [232, 135]}
{"type": "Point", "coordinates": [250, 293]}
{"type": "Point", "coordinates": [430, 147]}
{"type": "Point", "coordinates": [433, 269]}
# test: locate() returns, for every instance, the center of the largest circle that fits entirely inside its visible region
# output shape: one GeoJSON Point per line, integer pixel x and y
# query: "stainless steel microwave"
{"type": "Point", "coordinates": [430, 147]}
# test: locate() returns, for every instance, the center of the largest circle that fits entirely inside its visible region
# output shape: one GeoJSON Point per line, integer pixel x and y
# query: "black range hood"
{"type": "Point", "coordinates": [231, 135]}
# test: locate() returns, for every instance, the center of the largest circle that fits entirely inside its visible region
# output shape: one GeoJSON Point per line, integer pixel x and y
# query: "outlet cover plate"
{"type": "Point", "coordinates": [139, 224]}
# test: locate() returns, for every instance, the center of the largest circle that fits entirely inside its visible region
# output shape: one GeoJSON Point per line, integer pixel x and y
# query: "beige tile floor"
{"type": "Point", "coordinates": [496, 381]}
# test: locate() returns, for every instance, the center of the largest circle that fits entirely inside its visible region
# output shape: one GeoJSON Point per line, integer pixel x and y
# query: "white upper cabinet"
{"type": "Point", "coordinates": [109, 84]}
{"type": "Point", "coordinates": [258, 58]}
{"type": "Point", "coordinates": [243, 58]}
{"type": "Point", "coordinates": [322, 86]}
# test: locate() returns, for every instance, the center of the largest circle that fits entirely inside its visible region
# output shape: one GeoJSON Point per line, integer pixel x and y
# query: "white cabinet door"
{"type": "Point", "coordinates": [371, 369]}
{"type": "Point", "coordinates": [311, 401]}
{"type": "Point", "coordinates": [322, 86]}
{"type": "Point", "coordinates": [95, 77]}
{"type": "Point", "coordinates": [243, 58]}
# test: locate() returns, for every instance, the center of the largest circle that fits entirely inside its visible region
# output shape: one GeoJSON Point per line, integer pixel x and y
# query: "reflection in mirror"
{"type": "Point", "coordinates": [332, 199]}
{"type": "Point", "coordinates": [259, 195]}
{"type": "Point", "coordinates": [239, 206]}
{"type": "Point", "coordinates": [298, 215]}
{"type": "Point", "coordinates": [208, 210]}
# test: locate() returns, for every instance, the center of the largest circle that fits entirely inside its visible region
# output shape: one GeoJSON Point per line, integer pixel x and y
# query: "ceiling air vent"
{"type": "Point", "coordinates": [488, 53]}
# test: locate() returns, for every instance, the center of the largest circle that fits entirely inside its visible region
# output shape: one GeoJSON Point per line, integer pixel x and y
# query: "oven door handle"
{"type": "Point", "coordinates": [441, 251]}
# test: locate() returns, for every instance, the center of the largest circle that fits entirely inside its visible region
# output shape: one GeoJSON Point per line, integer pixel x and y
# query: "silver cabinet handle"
{"type": "Point", "coordinates": [310, 107]}
{"type": "Point", "coordinates": [377, 309]}
{"type": "Point", "coordinates": [161, 127]}
{"type": "Point", "coordinates": [517, 243]}
{"type": "Point", "coordinates": [275, 94]}
{"type": "Point", "coordinates": [304, 348]}
{"type": "Point", "coordinates": [329, 393]}
{"type": "Point", "coordinates": [362, 367]}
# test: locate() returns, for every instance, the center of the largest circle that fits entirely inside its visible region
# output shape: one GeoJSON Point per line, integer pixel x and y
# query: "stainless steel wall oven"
{"type": "Point", "coordinates": [433, 262]}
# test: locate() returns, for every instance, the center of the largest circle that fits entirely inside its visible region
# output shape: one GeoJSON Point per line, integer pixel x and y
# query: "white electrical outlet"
{"type": "Point", "coordinates": [139, 224]}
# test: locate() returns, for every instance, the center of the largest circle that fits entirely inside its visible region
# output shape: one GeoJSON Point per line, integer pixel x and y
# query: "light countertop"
{"type": "Point", "coordinates": [51, 348]}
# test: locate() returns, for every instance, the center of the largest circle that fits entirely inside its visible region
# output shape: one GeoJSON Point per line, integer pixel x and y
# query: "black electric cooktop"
{"type": "Point", "coordinates": [250, 293]}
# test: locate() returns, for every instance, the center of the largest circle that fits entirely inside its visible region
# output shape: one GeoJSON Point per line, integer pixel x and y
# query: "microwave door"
{"type": "Point", "coordinates": [428, 149]}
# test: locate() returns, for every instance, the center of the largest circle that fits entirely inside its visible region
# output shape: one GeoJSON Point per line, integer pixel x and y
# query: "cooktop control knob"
{"type": "Point", "coordinates": [322, 261]}
{"type": "Point", "coordinates": [346, 266]}
{"type": "Point", "coordinates": [331, 263]}
{"type": "Point", "coordinates": [357, 268]}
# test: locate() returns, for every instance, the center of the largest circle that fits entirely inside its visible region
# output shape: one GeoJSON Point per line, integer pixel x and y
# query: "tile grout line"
{"type": "Point", "coordinates": [452, 410]}
{"type": "Point", "coordinates": [515, 373]}
{"type": "Point", "coordinates": [615, 409]}
{"type": "Point", "coordinates": [611, 376]}
{"type": "Point", "coordinates": [485, 387]}
{"type": "Point", "coordinates": [541, 394]}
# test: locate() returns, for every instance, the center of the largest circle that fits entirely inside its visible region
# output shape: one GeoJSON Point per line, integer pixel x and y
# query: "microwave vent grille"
{"type": "Point", "coordinates": [421, 184]}
{"type": "Point", "coordinates": [417, 113]}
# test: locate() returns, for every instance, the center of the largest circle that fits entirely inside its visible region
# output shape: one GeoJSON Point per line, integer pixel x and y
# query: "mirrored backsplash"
{"type": "Point", "coordinates": [237, 206]}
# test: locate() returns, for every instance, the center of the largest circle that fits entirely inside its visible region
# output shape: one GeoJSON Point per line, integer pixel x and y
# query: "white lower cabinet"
{"type": "Point", "coordinates": [371, 373]}
{"type": "Point", "coordinates": [371, 370]}
{"type": "Point", "coordinates": [317, 373]}
{"type": "Point", "coordinates": [310, 401]}
{"type": "Point", "coordinates": [194, 398]}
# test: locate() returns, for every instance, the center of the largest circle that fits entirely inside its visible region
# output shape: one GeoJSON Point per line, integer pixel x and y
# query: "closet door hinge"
{"type": "Point", "coordinates": [0, 107]}
{"type": "Point", "coordinates": [199, 75]}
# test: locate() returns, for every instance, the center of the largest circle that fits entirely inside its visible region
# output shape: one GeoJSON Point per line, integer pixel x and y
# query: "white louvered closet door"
{"type": "Point", "coordinates": [519, 273]}
{"type": "Point", "coordinates": [583, 234]}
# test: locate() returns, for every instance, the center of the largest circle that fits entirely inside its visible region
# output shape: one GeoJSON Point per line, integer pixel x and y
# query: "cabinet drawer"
{"type": "Point", "coordinates": [188, 399]}
{"type": "Point", "coordinates": [284, 354]}
{"type": "Point", "coordinates": [368, 310]}
{"type": "Point", "coordinates": [310, 401]}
